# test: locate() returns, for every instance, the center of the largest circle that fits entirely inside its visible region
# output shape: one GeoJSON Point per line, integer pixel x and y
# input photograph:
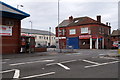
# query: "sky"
{"type": "Point", "coordinates": [44, 13]}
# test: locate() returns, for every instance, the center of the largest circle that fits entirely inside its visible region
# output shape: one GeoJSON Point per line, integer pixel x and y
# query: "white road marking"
{"type": "Point", "coordinates": [16, 74]}
{"type": "Point", "coordinates": [68, 61]}
{"type": "Point", "coordinates": [45, 74]}
{"type": "Point", "coordinates": [6, 59]}
{"type": "Point", "coordinates": [60, 62]}
{"type": "Point", "coordinates": [7, 71]}
{"type": "Point", "coordinates": [91, 62]}
{"type": "Point", "coordinates": [101, 64]}
{"type": "Point", "coordinates": [4, 62]}
{"type": "Point", "coordinates": [16, 64]}
{"type": "Point", "coordinates": [30, 62]}
{"type": "Point", "coordinates": [109, 58]}
{"type": "Point", "coordinates": [65, 67]}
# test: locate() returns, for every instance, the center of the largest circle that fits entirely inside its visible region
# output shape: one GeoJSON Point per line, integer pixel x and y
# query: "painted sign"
{"type": "Point", "coordinates": [84, 36]}
{"type": "Point", "coordinates": [5, 30]}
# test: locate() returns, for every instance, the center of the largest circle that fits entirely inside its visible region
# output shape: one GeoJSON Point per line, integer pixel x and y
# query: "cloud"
{"type": "Point", "coordinates": [44, 12]}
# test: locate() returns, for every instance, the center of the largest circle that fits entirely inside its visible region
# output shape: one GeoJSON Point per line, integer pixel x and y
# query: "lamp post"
{"type": "Point", "coordinates": [49, 36]}
{"type": "Point", "coordinates": [58, 26]}
{"type": "Point", "coordinates": [19, 5]}
{"type": "Point", "coordinates": [30, 35]}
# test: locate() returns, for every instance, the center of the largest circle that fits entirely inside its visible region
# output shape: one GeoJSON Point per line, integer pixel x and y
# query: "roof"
{"type": "Point", "coordinates": [79, 21]}
{"type": "Point", "coordinates": [115, 33]}
{"type": "Point", "coordinates": [34, 31]}
{"type": "Point", "coordinates": [11, 12]}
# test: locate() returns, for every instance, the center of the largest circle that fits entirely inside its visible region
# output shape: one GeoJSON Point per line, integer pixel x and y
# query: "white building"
{"type": "Point", "coordinates": [42, 38]}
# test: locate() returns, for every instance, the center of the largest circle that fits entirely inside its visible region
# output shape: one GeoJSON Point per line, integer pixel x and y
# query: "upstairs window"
{"type": "Point", "coordinates": [84, 30]}
{"type": "Point", "coordinates": [72, 31]}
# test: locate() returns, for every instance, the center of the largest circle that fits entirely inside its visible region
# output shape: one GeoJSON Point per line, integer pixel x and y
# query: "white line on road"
{"type": "Point", "coordinates": [45, 74]}
{"type": "Point", "coordinates": [60, 62]}
{"type": "Point", "coordinates": [101, 64]}
{"type": "Point", "coordinates": [65, 67]}
{"type": "Point", "coordinates": [91, 62]}
{"type": "Point", "coordinates": [68, 61]}
{"type": "Point", "coordinates": [4, 62]}
{"type": "Point", "coordinates": [30, 62]}
{"type": "Point", "coordinates": [6, 59]}
{"type": "Point", "coordinates": [17, 73]}
{"type": "Point", "coordinates": [7, 71]}
{"type": "Point", "coordinates": [17, 64]}
{"type": "Point", "coordinates": [109, 58]}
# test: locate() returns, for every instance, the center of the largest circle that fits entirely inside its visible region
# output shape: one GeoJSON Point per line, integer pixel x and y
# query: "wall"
{"type": "Point", "coordinates": [11, 44]}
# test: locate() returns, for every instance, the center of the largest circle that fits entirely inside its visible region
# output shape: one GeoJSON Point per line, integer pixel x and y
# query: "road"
{"type": "Point", "coordinates": [83, 64]}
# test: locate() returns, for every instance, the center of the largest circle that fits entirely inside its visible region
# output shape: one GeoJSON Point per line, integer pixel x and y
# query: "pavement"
{"type": "Point", "coordinates": [20, 55]}
{"type": "Point", "coordinates": [51, 52]}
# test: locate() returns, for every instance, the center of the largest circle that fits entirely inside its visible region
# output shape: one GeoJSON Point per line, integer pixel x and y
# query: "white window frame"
{"type": "Point", "coordinates": [84, 30]}
{"type": "Point", "coordinates": [72, 31]}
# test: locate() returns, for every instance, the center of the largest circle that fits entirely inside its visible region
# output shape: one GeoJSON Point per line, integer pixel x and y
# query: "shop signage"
{"type": "Point", "coordinates": [5, 30]}
{"type": "Point", "coordinates": [84, 36]}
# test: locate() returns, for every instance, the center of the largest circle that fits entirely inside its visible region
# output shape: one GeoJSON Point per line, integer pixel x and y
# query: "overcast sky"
{"type": "Point", "coordinates": [44, 12]}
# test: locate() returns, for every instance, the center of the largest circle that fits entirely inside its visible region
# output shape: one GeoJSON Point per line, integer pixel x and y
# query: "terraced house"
{"type": "Point", "coordinates": [84, 33]}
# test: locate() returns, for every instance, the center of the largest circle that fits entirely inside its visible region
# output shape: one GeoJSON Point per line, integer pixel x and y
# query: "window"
{"type": "Point", "coordinates": [72, 31]}
{"type": "Point", "coordinates": [39, 37]}
{"type": "Point", "coordinates": [84, 30]}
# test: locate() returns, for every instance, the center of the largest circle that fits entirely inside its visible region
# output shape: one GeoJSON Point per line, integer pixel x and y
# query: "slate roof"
{"type": "Point", "coordinates": [115, 33]}
{"type": "Point", "coordinates": [79, 21]}
{"type": "Point", "coordinates": [11, 12]}
{"type": "Point", "coordinates": [35, 31]}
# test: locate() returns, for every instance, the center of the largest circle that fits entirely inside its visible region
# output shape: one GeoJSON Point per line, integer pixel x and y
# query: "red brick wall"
{"type": "Point", "coordinates": [95, 30]}
{"type": "Point", "coordinates": [11, 44]}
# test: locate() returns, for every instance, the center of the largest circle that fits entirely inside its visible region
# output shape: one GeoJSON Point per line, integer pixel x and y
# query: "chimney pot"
{"type": "Point", "coordinates": [99, 18]}
{"type": "Point", "coordinates": [71, 18]}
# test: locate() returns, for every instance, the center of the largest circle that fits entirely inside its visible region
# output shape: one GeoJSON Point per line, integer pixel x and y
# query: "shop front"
{"type": "Point", "coordinates": [91, 42]}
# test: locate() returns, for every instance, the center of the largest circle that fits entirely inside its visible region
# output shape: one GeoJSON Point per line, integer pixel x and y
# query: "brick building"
{"type": "Point", "coordinates": [10, 28]}
{"type": "Point", "coordinates": [115, 38]}
{"type": "Point", "coordinates": [84, 33]}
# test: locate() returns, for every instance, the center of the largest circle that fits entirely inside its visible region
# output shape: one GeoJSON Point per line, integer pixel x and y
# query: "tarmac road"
{"type": "Point", "coordinates": [83, 64]}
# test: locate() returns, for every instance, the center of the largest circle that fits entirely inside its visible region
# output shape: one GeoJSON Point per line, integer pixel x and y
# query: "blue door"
{"type": "Point", "coordinates": [73, 42]}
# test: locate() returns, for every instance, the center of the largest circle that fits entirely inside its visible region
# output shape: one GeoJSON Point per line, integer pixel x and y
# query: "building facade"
{"type": "Point", "coordinates": [10, 28]}
{"type": "Point", "coordinates": [83, 33]}
{"type": "Point", "coordinates": [115, 38]}
{"type": "Point", "coordinates": [42, 38]}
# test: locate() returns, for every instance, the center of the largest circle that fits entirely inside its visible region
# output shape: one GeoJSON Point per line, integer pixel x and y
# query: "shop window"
{"type": "Point", "coordinates": [72, 31]}
{"type": "Point", "coordinates": [84, 30]}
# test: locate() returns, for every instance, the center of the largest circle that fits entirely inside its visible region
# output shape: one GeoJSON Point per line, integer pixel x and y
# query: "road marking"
{"type": "Point", "coordinates": [68, 61]}
{"type": "Point", "coordinates": [30, 62]}
{"type": "Point", "coordinates": [7, 71]}
{"type": "Point", "coordinates": [60, 62]}
{"type": "Point", "coordinates": [45, 74]}
{"type": "Point", "coordinates": [6, 59]}
{"type": "Point", "coordinates": [109, 58]}
{"type": "Point", "coordinates": [65, 67]}
{"type": "Point", "coordinates": [91, 62]}
{"type": "Point", "coordinates": [101, 64]}
{"type": "Point", "coordinates": [4, 62]}
{"type": "Point", "coordinates": [17, 73]}
{"type": "Point", "coordinates": [16, 64]}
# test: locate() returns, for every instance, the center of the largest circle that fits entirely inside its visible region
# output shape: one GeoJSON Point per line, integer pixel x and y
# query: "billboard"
{"type": "Point", "coordinates": [5, 30]}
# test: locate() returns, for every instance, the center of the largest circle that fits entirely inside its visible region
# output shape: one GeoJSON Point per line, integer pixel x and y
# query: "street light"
{"type": "Point", "coordinates": [19, 5]}
{"type": "Point", "coordinates": [58, 26]}
{"type": "Point", "coordinates": [30, 35]}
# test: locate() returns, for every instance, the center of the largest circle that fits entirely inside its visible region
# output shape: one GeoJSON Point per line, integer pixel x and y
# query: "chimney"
{"type": "Point", "coordinates": [99, 18]}
{"type": "Point", "coordinates": [71, 18]}
{"type": "Point", "coordinates": [107, 23]}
